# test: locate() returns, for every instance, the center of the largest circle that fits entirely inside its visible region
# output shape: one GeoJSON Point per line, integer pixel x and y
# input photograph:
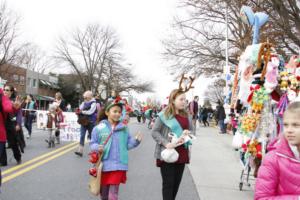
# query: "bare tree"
{"type": "Point", "coordinates": [214, 91]}
{"type": "Point", "coordinates": [120, 79]}
{"type": "Point", "coordinates": [198, 44]}
{"type": "Point", "coordinates": [87, 52]}
{"type": "Point", "coordinates": [34, 58]}
{"type": "Point", "coordinates": [10, 48]}
{"type": "Point", "coordinates": [284, 23]}
{"type": "Point", "coordinates": [95, 56]}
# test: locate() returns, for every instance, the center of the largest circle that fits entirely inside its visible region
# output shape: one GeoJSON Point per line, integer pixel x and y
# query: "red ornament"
{"type": "Point", "coordinates": [259, 153]}
{"type": "Point", "coordinates": [118, 99]}
{"type": "Point", "coordinates": [93, 157]}
{"type": "Point", "coordinates": [93, 172]}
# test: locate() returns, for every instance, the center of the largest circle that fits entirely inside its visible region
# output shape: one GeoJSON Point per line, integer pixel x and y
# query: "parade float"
{"type": "Point", "coordinates": [262, 88]}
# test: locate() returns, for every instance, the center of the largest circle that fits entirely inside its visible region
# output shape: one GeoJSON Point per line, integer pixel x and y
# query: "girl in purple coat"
{"type": "Point", "coordinates": [279, 176]}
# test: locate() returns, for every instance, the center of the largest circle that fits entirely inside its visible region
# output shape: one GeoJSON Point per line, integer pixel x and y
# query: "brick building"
{"type": "Point", "coordinates": [42, 87]}
{"type": "Point", "coordinates": [15, 76]}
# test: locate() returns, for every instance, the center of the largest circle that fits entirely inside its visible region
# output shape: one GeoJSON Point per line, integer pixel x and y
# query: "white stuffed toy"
{"type": "Point", "coordinates": [171, 155]}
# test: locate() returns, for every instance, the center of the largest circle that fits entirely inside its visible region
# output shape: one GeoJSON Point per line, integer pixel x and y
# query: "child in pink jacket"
{"type": "Point", "coordinates": [279, 176]}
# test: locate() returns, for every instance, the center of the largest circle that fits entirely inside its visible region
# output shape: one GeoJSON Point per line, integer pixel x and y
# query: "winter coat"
{"type": "Point", "coordinates": [160, 134]}
{"type": "Point", "coordinates": [30, 106]}
{"type": "Point", "coordinates": [89, 109]}
{"type": "Point", "coordinates": [193, 108]}
{"type": "Point", "coordinates": [58, 118]}
{"type": "Point", "coordinates": [6, 108]}
{"type": "Point", "coordinates": [62, 104]}
{"type": "Point", "coordinates": [115, 155]}
{"type": "Point", "coordinates": [279, 175]}
{"type": "Point", "coordinates": [220, 115]}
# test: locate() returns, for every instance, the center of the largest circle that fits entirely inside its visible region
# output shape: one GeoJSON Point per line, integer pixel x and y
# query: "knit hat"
{"type": "Point", "coordinates": [114, 102]}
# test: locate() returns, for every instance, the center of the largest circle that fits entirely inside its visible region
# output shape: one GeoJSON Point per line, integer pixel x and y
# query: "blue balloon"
{"type": "Point", "coordinates": [256, 20]}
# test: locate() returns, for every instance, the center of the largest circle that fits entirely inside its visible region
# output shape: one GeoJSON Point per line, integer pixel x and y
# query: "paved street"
{"type": "Point", "coordinates": [50, 174]}
{"type": "Point", "coordinates": [66, 176]}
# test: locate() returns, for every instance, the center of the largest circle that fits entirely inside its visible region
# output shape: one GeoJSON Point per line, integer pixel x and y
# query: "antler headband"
{"type": "Point", "coordinates": [186, 87]}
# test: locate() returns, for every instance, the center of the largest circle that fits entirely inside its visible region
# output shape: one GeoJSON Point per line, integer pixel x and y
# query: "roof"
{"type": "Point", "coordinates": [49, 84]}
{"type": "Point", "coordinates": [43, 98]}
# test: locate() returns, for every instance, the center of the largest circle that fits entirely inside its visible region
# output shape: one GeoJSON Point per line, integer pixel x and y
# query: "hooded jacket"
{"type": "Point", "coordinates": [115, 155]}
{"type": "Point", "coordinates": [279, 175]}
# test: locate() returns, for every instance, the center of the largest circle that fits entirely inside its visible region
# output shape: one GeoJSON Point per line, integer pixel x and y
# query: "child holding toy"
{"type": "Point", "coordinates": [173, 120]}
{"type": "Point", "coordinates": [53, 120]}
{"type": "Point", "coordinates": [115, 151]}
{"type": "Point", "coordinates": [279, 174]}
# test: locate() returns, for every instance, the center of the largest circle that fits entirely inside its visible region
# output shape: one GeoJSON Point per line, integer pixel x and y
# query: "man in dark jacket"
{"type": "Point", "coordinates": [220, 115]}
{"type": "Point", "coordinates": [193, 108]}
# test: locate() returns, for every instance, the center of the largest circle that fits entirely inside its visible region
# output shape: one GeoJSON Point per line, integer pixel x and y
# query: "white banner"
{"type": "Point", "coordinates": [70, 130]}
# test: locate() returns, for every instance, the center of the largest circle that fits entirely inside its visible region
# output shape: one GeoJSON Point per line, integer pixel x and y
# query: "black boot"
{"type": "Point", "coordinates": [57, 140]}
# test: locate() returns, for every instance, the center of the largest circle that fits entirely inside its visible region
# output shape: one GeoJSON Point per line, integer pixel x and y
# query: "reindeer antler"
{"type": "Point", "coordinates": [180, 82]}
{"type": "Point", "coordinates": [191, 84]}
{"type": "Point", "coordinates": [187, 87]}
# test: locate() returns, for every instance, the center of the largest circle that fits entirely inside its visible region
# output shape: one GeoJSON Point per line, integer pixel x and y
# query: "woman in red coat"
{"type": "Point", "coordinates": [5, 107]}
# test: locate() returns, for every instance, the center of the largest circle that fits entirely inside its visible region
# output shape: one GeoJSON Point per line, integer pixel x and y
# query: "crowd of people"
{"type": "Point", "coordinates": [107, 129]}
{"type": "Point", "coordinates": [25, 115]}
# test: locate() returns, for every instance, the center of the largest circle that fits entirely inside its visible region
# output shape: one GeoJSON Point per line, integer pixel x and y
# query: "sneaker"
{"type": "Point", "coordinates": [78, 153]}
{"type": "Point", "coordinates": [19, 162]}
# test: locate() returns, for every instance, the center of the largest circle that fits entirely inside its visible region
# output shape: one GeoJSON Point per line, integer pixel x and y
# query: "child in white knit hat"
{"type": "Point", "coordinates": [52, 124]}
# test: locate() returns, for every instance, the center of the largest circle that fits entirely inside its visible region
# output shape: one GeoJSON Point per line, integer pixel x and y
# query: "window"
{"type": "Point", "coordinates": [16, 78]}
{"type": "Point", "coordinates": [22, 80]}
{"type": "Point", "coordinates": [34, 83]}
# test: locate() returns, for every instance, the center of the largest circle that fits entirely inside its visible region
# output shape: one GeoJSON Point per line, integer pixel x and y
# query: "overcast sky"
{"type": "Point", "coordinates": [141, 25]}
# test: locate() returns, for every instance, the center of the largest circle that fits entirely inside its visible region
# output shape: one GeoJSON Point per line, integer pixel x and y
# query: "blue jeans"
{"type": "Point", "coordinates": [83, 130]}
{"type": "Point", "coordinates": [222, 126]}
{"type": "Point", "coordinates": [28, 123]}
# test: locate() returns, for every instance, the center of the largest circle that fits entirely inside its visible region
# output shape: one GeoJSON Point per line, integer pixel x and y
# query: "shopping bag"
{"type": "Point", "coordinates": [95, 182]}
{"type": "Point", "coordinates": [237, 140]}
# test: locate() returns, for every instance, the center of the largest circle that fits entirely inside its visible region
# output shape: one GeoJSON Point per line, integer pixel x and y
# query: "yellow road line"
{"type": "Point", "coordinates": [37, 158]}
{"type": "Point", "coordinates": [12, 176]}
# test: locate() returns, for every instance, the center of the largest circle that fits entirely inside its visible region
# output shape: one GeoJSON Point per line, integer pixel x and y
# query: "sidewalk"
{"type": "Point", "coordinates": [215, 167]}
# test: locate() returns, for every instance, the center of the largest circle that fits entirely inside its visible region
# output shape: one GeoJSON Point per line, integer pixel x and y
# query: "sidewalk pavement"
{"type": "Point", "coordinates": [215, 167]}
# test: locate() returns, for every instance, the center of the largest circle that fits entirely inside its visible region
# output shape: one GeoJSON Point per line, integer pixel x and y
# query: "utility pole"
{"type": "Point", "coordinates": [226, 50]}
{"type": "Point", "coordinates": [227, 67]}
